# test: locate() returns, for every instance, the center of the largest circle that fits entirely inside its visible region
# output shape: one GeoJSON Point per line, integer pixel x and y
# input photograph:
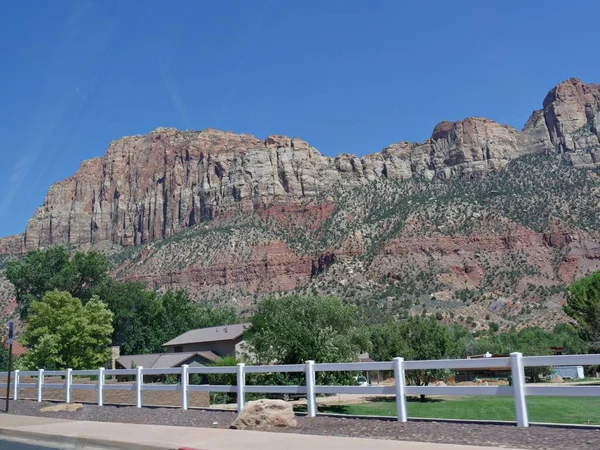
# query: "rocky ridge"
{"type": "Point", "coordinates": [151, 187]}
{"type": "Point", "coordinates": [230, 215]}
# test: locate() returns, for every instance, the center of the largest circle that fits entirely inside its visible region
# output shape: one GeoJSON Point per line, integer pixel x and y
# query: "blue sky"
{"type": "Point", "coordinates": [347, 76]}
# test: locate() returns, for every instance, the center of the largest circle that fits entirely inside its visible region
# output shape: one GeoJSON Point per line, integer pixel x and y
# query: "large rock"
{"type": "Point", "coordinates": [70, 407]}
{"type": "Point", "coordinates": [265, 413]}
{"type": "Point", "coordinates": [571, 111]}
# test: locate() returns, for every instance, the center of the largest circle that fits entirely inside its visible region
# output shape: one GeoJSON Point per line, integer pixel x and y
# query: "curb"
{"type": "Point", "coordinates": [77, 441]}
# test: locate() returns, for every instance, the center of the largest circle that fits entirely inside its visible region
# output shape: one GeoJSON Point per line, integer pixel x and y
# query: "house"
{"type": "Point", "coordinates": [200, 347]}
{"type": "Point", "coordinates": [223, 340]}
{"type": "Point", "coordinates": [163, 361]}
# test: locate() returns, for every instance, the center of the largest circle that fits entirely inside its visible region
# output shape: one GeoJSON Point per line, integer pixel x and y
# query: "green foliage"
{"type": "Point", "coordinates": [534, 341]}
{"type": "Point", "coordinates": [3, 355]}
{"type": "Point", "coordinates": [63, 333]}
{"type": "Point", "coordinates": [41, 271]}
{"type": "Point", "coordinates": [223, 379]}
{"type": "Point", "coordinates": [296, 328]}
{"type": "Point", "coordinates": [417, 338]}
{"type": "Point", "coordinates": [583, 305]}
{"type": "Point", "coordinates": [144, 320]}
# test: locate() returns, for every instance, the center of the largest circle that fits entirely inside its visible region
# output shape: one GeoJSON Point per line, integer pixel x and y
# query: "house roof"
{"type": "Point", "coordinates": [222, 333]}
{"type": "Point", "coordinates": [162, 360]}
{"type": "Point", "coordinates": [17, 349]}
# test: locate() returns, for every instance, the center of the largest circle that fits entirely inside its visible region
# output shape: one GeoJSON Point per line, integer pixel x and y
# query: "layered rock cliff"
{"type": "Point", "coordinates": [151, 187]}
{"type": "Point", "coordinates": [230, 215]}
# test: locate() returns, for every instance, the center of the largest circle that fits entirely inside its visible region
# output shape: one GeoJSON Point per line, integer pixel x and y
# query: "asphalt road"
{"type": "Point", "coordinates": [21, 445]}
{"type": "Point", "coordinates": [13, 445]}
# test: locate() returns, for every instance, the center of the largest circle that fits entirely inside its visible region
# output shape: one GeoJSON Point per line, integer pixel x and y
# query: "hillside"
{"type": "Point", "coordinates": [479, 223]}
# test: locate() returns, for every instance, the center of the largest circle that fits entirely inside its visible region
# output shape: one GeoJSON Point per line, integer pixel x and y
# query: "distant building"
{"type": "Point", "coordinates": [200, 347]}
{"type": "Point", "coordinates": [163, 361]}
{"type": "Point", "coordinates": [222, 341]}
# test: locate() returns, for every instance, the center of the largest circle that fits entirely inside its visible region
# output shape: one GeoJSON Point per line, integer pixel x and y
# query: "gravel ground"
{"type": "Point", "coordinates": [505, 436]}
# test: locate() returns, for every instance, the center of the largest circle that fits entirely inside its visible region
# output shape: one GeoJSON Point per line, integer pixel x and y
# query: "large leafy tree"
{"type": "Point", "coordinates": [297, 328]}
{"type": "Point", "coordinates": [144, 320]}
{"type": "Point", "coordinates": [64, 333]}
{"type": "Point", "coordinates": [41, 271]}
{"type": "Point", "coordinates": [135, 316]}
{"type": "Point", "coordinates": [417, 338]}
{"type": "Point", "coordinates": [583, 305]}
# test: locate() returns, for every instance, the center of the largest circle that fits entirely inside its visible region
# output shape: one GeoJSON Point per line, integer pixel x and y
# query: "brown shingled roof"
{"type": "Point", "coordinates": [17, 349]}
{"type": "Point", "coordinates": [162, 360]}
{"type": "Point", "coordinates": [212, 334]}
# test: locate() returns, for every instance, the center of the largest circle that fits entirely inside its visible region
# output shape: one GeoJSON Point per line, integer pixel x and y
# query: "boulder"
{"type": "Point", "coordinates": [265, 413]}
{"type": "Point", "coordinates": [70, 407]}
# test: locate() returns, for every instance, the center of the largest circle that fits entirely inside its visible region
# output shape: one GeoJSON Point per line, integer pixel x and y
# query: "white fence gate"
{"type": "Point", "coordinates": [515, 363]}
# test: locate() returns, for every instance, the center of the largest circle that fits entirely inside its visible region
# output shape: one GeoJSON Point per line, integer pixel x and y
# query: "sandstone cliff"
{"type": "Point", "coordinates": [230, 216]}
{"type": "Point", "coordinates": [151, 187]}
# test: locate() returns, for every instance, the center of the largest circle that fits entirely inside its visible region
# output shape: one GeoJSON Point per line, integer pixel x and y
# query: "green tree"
{"type": "Point", "coordinates": [41, 271]}
{"type": "Point", "coordinates": [144, 320]}
{"type": "Point", "coordinates": [418, 338]}
{"type": "Point", "coordinates": [583, 305]}
{"type": "Point", "coordinates": [223, 379]}
{"type": "Point", "coordinates": [3, 355]}
{"type": "Point", "coordinates": [534, 341]}
{"type": "Point", "coordinates": [136, 316]}
{"type": "Point", "coordinates": [181, 314]}
{"type": "Point", "coordinates": [297, 328]}
{"type": "Point", "coordinates": [63, 333]}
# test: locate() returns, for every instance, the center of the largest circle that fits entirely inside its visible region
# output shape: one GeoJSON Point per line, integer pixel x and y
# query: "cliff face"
{"type": "Point", "coordinates": [232, 217]}
{"type": "Point", "coordinates": [151, 187]}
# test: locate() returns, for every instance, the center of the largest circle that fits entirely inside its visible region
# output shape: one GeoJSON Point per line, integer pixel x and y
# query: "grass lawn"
{"type": "Point", "coordinates": [578, 410]}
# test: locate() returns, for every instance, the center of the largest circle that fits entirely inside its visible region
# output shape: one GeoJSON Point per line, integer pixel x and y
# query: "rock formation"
{"type": "Point", "coordinates": [230, 216]}
{"type": "Point", "coordinates": [151, 187]}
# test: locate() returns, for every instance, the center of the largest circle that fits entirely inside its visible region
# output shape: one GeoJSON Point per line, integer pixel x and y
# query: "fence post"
{"type": "Point", "coordinates": [400, 389]}
{"type": "Point", "coordinates": [518, 385]}
{"type": "Point", "coordinates": [16, 386]}
{"type": "Point", "coordinates": [69, 384]}
{"type": "Point", "coordinates": [311, 406]}
{"type": "Point", "coordinates": [184, 386]}
{"type": "Point", "coordinates": [138, 387]}
{"type": "Point", "coordinates": [241, 387]}
{"type": "Point", "coordinates": [101, 386]}
{"type": "Point", "coordinates": [40, 384]}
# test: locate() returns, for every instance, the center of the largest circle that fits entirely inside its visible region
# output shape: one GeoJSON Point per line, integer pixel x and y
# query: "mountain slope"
{"type": "Point", "coordinates": [480, 217]}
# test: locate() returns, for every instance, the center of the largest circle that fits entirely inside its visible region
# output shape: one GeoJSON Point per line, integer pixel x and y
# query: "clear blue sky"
{"type": "Point", "coordinates": [347, 76]}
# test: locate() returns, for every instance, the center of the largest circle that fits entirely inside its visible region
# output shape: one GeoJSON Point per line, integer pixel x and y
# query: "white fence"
{"type": "Point", "coordinates": [515, 363]}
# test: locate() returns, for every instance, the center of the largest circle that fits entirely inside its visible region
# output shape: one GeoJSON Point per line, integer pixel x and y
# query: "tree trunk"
{"type": "Point", "coordinates": [426, 383]}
